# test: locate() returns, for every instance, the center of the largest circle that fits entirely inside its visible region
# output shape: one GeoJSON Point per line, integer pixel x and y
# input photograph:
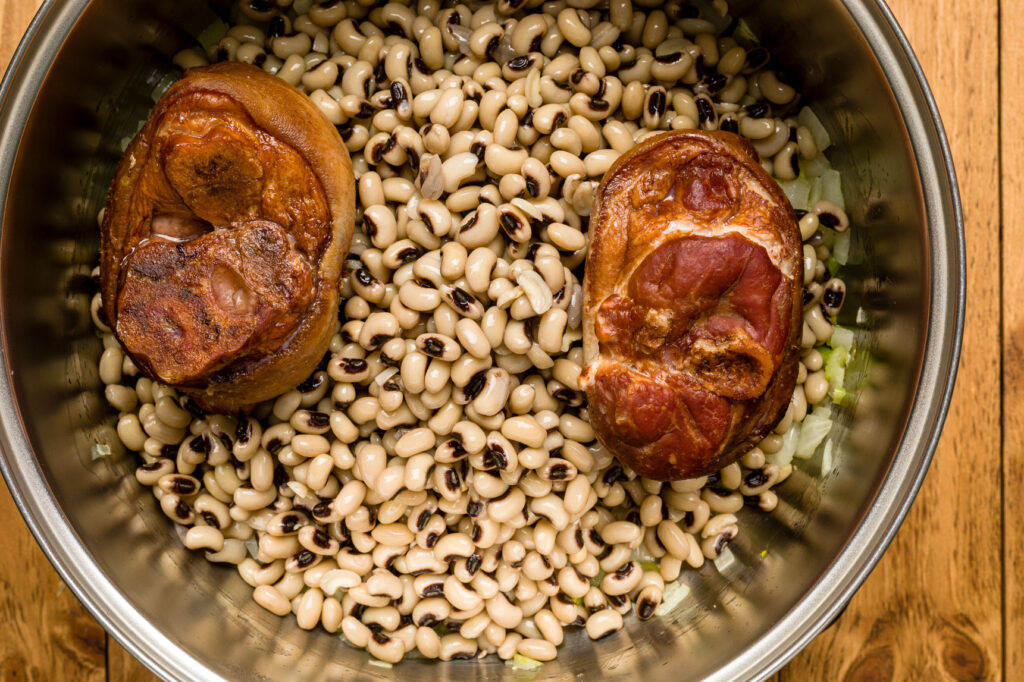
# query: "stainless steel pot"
{"type": "Point", "coordinates": [81, 81]}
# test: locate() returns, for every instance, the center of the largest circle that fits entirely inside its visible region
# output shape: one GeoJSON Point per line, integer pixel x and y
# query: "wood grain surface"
{"type": "Point", "coordinates": [1012, 337]}
{"type": "Point", "coordinates": [946, 601]}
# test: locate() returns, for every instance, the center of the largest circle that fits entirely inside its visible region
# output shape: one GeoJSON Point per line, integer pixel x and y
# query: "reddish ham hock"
{"type": "Point", "coordinates": [692, 305]}
{"type": "Point", "coordinates": [223, 238]}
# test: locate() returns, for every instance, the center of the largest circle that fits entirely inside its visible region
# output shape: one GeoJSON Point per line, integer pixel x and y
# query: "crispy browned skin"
{"type": "Point", "coordinates": [224, 234]}
{"type": "Point", "coordinates": [692, 305]}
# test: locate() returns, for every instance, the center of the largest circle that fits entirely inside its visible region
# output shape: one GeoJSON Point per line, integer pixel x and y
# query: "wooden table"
{"type": "Point", "coordinates": [945, 602]}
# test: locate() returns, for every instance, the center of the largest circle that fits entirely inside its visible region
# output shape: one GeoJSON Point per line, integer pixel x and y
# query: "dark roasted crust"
{"type": "Point", "coordinates": [276, 109]}
{"type": "Point", "coordinates": [726, 164]}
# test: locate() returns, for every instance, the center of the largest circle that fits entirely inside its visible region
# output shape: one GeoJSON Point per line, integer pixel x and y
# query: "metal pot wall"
{"type": "Point", "coordinates": [81, 82]}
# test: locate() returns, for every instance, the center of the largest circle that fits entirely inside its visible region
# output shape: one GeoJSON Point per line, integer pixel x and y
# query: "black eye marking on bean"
{"type": "Point", "coordinates": [828, 220]}
{"type": "Point", "coordinates": [353, 365]}
{"type": "Point", "coordinates": [519, 63]}
{"type": "Point", "coordinates": [276, 26]}
{"type": "Point", "coordinates": [452, 480]}
{"type": "Point", "coordinates": [408, 254]}
{"type": "Point", "coordinates": [433, 346]}
{"type": "Point", "coordinates": [716, 83]}
{"type": "Point", "coordinates": [192, 408]}
{"type": "Point", "coordinates": [757, 58]}
{"type": "Point", "coordinates": [421, 66]}
{"type": "Point", "coordinates": [656, 103]}
{"type": "Point", "coordinates": [613, 474]}
{"type": "Point", "coordinates": [321, 538]}
{"type": "Point", "coordinates": [833, 298]}
{"type": "Point", "coordinates": [365, 108]}
{"type": "Point", "coordinates": [369, 227]}
{"type": "Point", "coordinates": [705, 110]}
{"type": "Point", "coordinates": [668, 58]}
{"type": "Point", "coordinates": [183, 486]}
{"type": "Point", "coordinates": [532, 186]}
{"type": "Point", "coordinates": [314, 382]}
{"type": "Point", "coordinates": [181, 510]}
{"type": "Point", "coordinates": [758, 109]}
{"type": "Point", "coordinates": [756, 478]}
{"type": "Point", "coordinates": [200, 444]}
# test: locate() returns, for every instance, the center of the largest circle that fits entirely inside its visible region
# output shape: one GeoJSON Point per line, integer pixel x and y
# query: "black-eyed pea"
{"type": "Point", "coordinates": [428, 642]}
{"type": "Point", "coordinates": [385, 648]}
{"type": "Point", "coordinates": [622, 532]}
{"type": "Point", "coordinates": [521, 399]}
{"type": "Point", "coordinates": [623, 581]}
{"type": "Point", "coordinates": [439, 346]}
{"type": "Point", "coordinates": [550, 507]}
{"type": "Point", "coordinates": [459, 595]}
{"type": "Point", "coordinates": [506, 127]}
{"type": "Point", "coordinates": [718, 524]}
{"type": "Point", "coordinates": [485, 39]}
{"type": "Point", "coordinates": [524, 429]}
{"type": "Point", "coordinates": [537, 649]}
{"type": "Point", "coordinates": [566, 238]}
{"type": "Point", "coordinates": [567, 140]}
{"type": "Point", "coordinates": [431, 610]}
{"type": "Point", "coordinates": [456, 647]}
{"type": "Point", "coordinates": [573, 24]}
{"type": "Point", "coordinates": [671, 64]}
{"type": "Point", "coordinates": [833, 296]}
{"type": "Point", "coordinates": [454, 545]}
{"type": "Point", "coordinates": [602, 623]}
{"type": "Point", "coordinates": [355, 631]}
{"type": "Point", "coordinates": [272, 600]}
{"type": "Point", "coordinates": [310, 609]}
{"type": "Point", "coordinates": [566, 164]}
{"type": "Point", "coordinates": [475, 626]}
{"type": "Point", "coordinates": [507, 506]}
{"type": "Point", "coordinates": [527, 34]}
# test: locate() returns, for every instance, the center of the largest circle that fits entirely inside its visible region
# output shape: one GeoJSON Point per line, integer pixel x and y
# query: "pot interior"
{"type": "Point", "coordinates": [190, 618]}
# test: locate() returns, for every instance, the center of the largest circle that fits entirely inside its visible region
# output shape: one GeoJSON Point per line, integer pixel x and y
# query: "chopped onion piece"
{"type": "Point", "coordinates": [841, 338]}
{"type": "Point", "coordinates": [832, 188]}
{"type": "Point", "coordinates": [841, 248]}
{"type": "Point", "coordinates": [673, 595]}
{"type": "Point", "coordinates": [212, 34]}
{"type": "Point", "coordinates": [724, 560]}
{"type": "Point", "coordinates": [826, 460]}
{"type": "Point", "coordinates": [813, 430]}
{"type": "Point", "coordinates": [816, 167]}
{"type": "Point", "coordinates": [809, 120]}
{"type": "Point", "coordinates": [785, 455]}
{"type": "Point", "coordinates": [798, 192]}
{"type": "Point", "coordinates": [520, 662]}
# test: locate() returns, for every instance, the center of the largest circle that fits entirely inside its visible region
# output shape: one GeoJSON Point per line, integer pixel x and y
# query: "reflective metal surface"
{"type": "Point", "coordinates": [81, 82]}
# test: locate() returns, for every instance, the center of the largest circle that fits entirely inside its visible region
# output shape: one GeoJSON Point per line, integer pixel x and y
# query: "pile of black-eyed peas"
{"type": "Point", "coordinates": [435, 486]}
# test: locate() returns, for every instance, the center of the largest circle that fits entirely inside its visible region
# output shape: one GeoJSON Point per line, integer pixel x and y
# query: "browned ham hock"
{"type": "Point", "coordinates": [692, 305]}
{"type": "Point", "coordinates": [223, 237]}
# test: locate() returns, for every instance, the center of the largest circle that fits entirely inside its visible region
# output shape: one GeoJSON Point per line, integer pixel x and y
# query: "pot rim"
{"type": "Point", "coordinates": [807, 617]}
